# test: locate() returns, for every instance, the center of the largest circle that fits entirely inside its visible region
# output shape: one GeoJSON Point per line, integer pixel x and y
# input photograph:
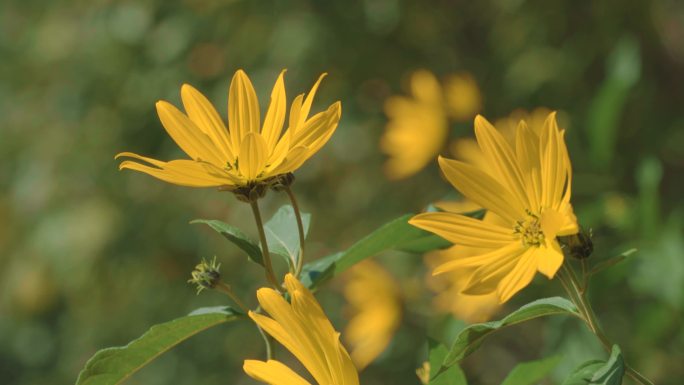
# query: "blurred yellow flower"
{"type": "Point", "coordinates": [246, 152]}
{"type": "Point", "coordinates": [306, 332]}
{"type": "Point", "coordinates": [418, 125]}
{"type": "Point", "coordinates": [374, 297]}
{"type": "Point", "coordinates": [463, 97]}
{"type": "Point", "coordinates": [526, 191]}
{"type": "Point", "coordinates": [448, 286]}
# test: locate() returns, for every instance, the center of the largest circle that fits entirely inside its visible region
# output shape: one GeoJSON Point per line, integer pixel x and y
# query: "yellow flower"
{"type": "Point", "coordinates": [526, 191]}
{"type": "Point", "coordinates": [246, 152]}
{"type": "Point", "coordinates": [374, 297]}
{"type": "Point", "coordinates": [306, 332]}
{"type": "Point", "coordinates": [418, 126]}
{"type": "Point", "coordinates": [448, 288]}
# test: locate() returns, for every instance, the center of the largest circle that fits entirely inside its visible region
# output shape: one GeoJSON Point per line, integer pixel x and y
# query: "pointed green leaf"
{"type": "Point", "coordinates": [470, 338]}
{"type": "Point", "coordinates": [236, 236]}
{"type": "Point", "coordinates": [452, 376]}
{"type": "Point", "coordinates": [394, 235]}
{"type": "Point", "coordinates": [114, 365]}
{"type": "Point", "coordinates": [282, 234]}
{"type": "Point", "coordinates": [600, 372]}
{"type": "Point", "coordinates": [530, 373]}
{"type": "Point", "coordinates": [610, 262]}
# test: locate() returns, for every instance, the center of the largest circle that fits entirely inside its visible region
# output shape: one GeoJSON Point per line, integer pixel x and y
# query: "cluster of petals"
{"type": "Point", "coordinates": [301, 327]}
{"type": "Point", "coordinates": [526, 191]}
{"type": "Point", "coordinates": [246, 151]}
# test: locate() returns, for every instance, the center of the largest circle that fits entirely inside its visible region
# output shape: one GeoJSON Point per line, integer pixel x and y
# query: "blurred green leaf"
{"type": "Point", "coordinates": [452, 376]}
{"type": "Point", "coordinates": [282, 234]}
{"type": "Point", "coordinates": [599, 372]}
{"type": "Point", "coordinates": [623, 69]}
{"type": "Point", "coordinates": [114, 365]}
{"type": "Point", "coordinates": [470, 338]}
{"type": "Point", "coordinates": [530, 373]}
{"type": "Point", "coordinates": [394, 235]}
{"type": "Point", "coordinates": [236, 236]}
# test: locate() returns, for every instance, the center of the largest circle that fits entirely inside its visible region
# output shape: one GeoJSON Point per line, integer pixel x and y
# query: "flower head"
{"type": "Point", "coordinates": [374, 297]}
{"type": "Point", "coordinates": [304, 330]}
{"type": "Point", "coordinates": [526, 191]}
{"type": "Point", "coordinates": [246, 152]}
{"type": "Point", "coordinates": [419, 125]}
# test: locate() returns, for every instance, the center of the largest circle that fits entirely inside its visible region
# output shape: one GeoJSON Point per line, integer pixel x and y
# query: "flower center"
{"type": "Point", "coordinates": [530, 230]}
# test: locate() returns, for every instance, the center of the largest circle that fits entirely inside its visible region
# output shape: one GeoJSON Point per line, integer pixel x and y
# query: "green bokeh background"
{"type": "Point", "coordinates": [91, 257]}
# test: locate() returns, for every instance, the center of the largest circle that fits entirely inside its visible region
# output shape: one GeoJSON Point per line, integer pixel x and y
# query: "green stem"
{"type": "Point", "coordinates": [578, 296]}
{"type": "Point", "coordinates": [300, 228]}
{"type": "Point", "coordinates": [264, 247]}
{"type": "Point", "coordinates": [226, 289]}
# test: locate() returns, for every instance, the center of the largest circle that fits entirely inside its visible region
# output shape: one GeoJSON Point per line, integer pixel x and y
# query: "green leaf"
{"type": "Point", "coordinates": [600, 372]}
{"type": "Point", "coordinates": [282, 234]}
{"type": "Point", "coordinates": [236, 236]}
{"type": "Point", "coordinates": [470, 338]}
{"type": "Point", "coordinates": [610, 262]}
{"type": "Point", "coordinates": [394, 235]}
{"type": "Point", "coordinates": [530, 373]}
{"type": "Point", "coordinates": [452, 376]}
{"type": "Point", "coordinates": [114, 365]}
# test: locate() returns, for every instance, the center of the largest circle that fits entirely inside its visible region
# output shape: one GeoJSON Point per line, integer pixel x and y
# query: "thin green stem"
{"type": "Point", "coordinates": [270, 275]}
{"type": "Point", "coordinates": [300, 228]}
{"type": "Point", "coordinates": [267, 342]}
{"type": "Point", "coordinates": [578, 296]}
{"type": "Point", "coordinates": [226, 289]}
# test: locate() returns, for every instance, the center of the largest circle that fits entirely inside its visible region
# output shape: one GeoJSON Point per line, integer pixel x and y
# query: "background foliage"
{"type": "Point", "coordinates": [90, 257]}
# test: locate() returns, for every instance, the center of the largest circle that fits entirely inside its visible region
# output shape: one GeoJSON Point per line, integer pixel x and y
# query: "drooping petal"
{"type": "Point", "coordinates": [482, 189]}
{"type": "Point", "coordinates": [243, 109]}
{"type": "Point", "coordinates": [501, 159]}
{"type": "Point", "coordinates": [252, 158]}
{"type": "Point", "coordinates": [520, 276]}
{"type": "Point", "coordinates": [549, 258]}
{"type": "Point", "coordinates": [204, 115]}
{"type": "Point", "coordinates": [181, 172]}
{"type": "Point", "coordinates": [463, 230]}
{"type": "Point", "coordinates": [486, 278]}
{"type": "Point", "coordinates": [187, 135]}
{"type": "Point", "coordinates": [272, 372]}
{"type": "Point", "coordinates": [275, 115]}
{"type": "Point", "coordinates": [478, 259]}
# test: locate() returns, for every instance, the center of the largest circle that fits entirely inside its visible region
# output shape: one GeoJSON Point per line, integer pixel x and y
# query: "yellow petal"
{"type": "Point", "coordinates": [309, 352]}
{"type": "Point", "coordinates": [527, 152]}
{"type": "Point", "coordinates": [501, 159]}
{"type": "Point", "coordinates": [306, 106]}
{"type": "Point", "coordinates": [316, 133]}
{"type": "Point", "coordinates": [459, 207]}
{"type": "Point", "coordinates": [482, 189]}
{"type": "Point", "coordinates": [463, 230]}
{"type": "Point", "coordinates": [554, 170]}
{"type": "Point", "coordinates": [478, 259]}
{"type": "Point", "coordinates": [252, 159]}
{"type": "Point", "coordinates": [295, 112]}
{"type": "Point", "coordinates": [486, 278]}
{"type": "Point", "coordinates": [275, 116]}
{"type": "Point", "coordinates": [425, 87]}
{"type": "Point", "coordinates": [295, 158]}
{"type": "Point", "coordinates": [520, 276]}
{"type": "Point", "coordinates": [188, 136]}
{"type": "Point", "coordinates": [243, 109]}
{"type": "Point", "coordinates": [272, 372]}
{"type": "Point", "coordinates": [180, 172]}
{"type": "Point", "coordinates": [204, 115]}
{"type": "Point", "coordinates": [549, 258]}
